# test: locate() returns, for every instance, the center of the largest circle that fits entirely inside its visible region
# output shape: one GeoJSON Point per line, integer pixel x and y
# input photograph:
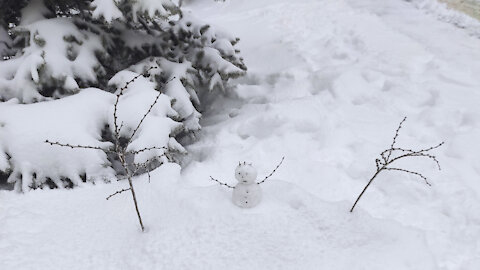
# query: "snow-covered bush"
{"type": "Point", "coordinates": [63, 61]}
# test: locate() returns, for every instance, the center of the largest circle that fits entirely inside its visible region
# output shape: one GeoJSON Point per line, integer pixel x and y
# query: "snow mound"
{"type": "Point", "coordinates": [289, 230]}
{"type": "Point", "coordinates": [78, 119]}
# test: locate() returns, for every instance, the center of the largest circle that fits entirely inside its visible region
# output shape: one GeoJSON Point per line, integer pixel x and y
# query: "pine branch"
{"type": "Point", "coordinates": [274, 170]}
{"type": "Point", "coordinates": [118, 192]}
{"type": "Point", "coordinates": [221, 183]}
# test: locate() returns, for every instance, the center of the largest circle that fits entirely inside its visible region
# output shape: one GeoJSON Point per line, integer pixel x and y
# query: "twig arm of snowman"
{"type": "Point", "coordinates": [268, 176]}
{"type": "Point", "coordinates": [221, 183]}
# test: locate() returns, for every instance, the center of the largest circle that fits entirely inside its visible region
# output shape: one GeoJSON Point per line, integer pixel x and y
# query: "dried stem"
{"type": "Point", "coordinates": [115, 107]}
{"type": "Point", "coordinates": [78, 146]}
{"type": "Point", "coordinates": [395, 137]}
{"type": "Point", "coordinates": [147, 113]}
{"type": "Point", "coordinates": [407, 171]}
{"type": "Point", "coordinates": [274, 170]}
{"type": "Point", "coordinates": [144, 165]}
{"type": "Point", "coordinates": [118, 192]}
{"type": "Point", "coordinates": [120, 151]}
{"type": "Point", "coordinates": [147, 149]}
{"type": "Point", "coordinates": [221, 183]}
{"type": "Point", "coordinates": [387, 159]}
{"type": "Point", "coordinates": [130, 183]}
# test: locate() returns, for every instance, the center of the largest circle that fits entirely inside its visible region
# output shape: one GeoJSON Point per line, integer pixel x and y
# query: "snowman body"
{"type": "Point", "coordinates": [247, 193]}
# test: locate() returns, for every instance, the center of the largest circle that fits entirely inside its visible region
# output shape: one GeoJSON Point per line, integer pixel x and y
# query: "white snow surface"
{"type": "Point", "coordinates": [327, 85]}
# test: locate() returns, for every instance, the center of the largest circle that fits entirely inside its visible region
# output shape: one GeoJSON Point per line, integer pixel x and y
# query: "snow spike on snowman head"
{"type": "Point", "coordinates": [245, 173]}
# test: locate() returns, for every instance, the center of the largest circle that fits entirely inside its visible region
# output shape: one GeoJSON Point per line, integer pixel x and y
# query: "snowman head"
{"type": "Point", "coordinates": [245, 173]}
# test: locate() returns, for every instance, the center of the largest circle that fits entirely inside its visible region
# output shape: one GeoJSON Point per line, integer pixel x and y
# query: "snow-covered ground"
{"type": "Point", "coordinates": [327, 85]}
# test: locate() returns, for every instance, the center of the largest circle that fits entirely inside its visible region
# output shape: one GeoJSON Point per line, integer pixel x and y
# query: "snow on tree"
{"type": "Point", "coordinates": [62, 63]}
{"type": "Point", "coordinates": [5, 41]}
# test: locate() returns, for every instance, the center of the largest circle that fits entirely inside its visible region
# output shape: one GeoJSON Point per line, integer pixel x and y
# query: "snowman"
{"type": "Point", "coordinates": [247, 192]}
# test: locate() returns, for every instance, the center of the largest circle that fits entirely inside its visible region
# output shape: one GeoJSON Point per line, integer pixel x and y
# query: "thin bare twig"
{"type": "Point", "coordinates": [132, 190]}
{"type": "Point", "coordinates": [407, 171]}
{"type": "Point", "coordinates": [118, 192]}
{"type": "Point", "coordinates": [120, 128]}
{"type": "Point", "coordinates": [147, 149]}
{"type": "Point", "coordinates": [378, 163]}
{"type": "Point", "coordinates": [387, 159]}
{"type": "Point", "coordinates": [120, 151]}
{"type": "Point", "coordinates": [147, 113]}
{"type": "Point", "coordinates": [78, 146]}
{"type": "Point", "coordinates": [416, 154]}
{"type": "Point", "coordinates": [115, 106]}
{"type": "Point", "coordinates": [274, 170]}
{"type": "Point", "coordinates": [221, 183]}
{"type": "Point", "coordinates": [143, 165]}
{"type": "Point", "coordinates": [395, 137]}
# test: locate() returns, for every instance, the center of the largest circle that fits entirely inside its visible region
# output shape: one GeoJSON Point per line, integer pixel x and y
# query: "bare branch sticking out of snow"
{"type": "Point", "coordinates": [120, 148]}
{"type": "Point", "coordinates": [388, 159]}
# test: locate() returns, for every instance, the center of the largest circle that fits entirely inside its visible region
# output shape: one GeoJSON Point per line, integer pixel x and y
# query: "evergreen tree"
{"type": "Point", "coordinates": [63, 61]}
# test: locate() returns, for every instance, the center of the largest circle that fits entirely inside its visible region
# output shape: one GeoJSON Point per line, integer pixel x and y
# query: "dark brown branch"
{"type": "Point", "coordinates": [431, 148]}
{"type": "Point", "coordinates": [77, 146]}
{"type": "Point", "coordinates": [364, 189]}
{"type": "Point", "coordinates": [147, 149]}
{"type": "Point", "coordinates": [148, 112]}
{"type": "Point", "coordinates": [221, 183]}
{"type": "Point", "coordinates": [387, 160]}
{"type": "Point", "coordinates": [120, 128]}
{"type": "Point", "coordinates": [395, 137]}
{"type": "Point", "coordinates": [407, 171]}
{"type": "Point", "coordinates": [139, 166]}
{"type": "Point", "coordinates": [416, 154]}
{"type": "Point", "coordinates": [130, 183]}
{"type": "Point", "coordinates": [396, 149]}
{"type": "Point", "coordinates": [281, 161]}
{"type": "Point", "coordinates": [118, 192]}
{"type": "Point", "coordinates": [115, 107]}
{"type": "Point", "coordinates": [378, 163]}
{"type": "Point", "coordinates": [149, 160]}
{"type": "Point", "coordinates": [120, 151]}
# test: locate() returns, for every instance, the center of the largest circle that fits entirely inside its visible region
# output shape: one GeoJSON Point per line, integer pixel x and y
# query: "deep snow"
{"type": "Point", "coordinates": [327, 85]}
